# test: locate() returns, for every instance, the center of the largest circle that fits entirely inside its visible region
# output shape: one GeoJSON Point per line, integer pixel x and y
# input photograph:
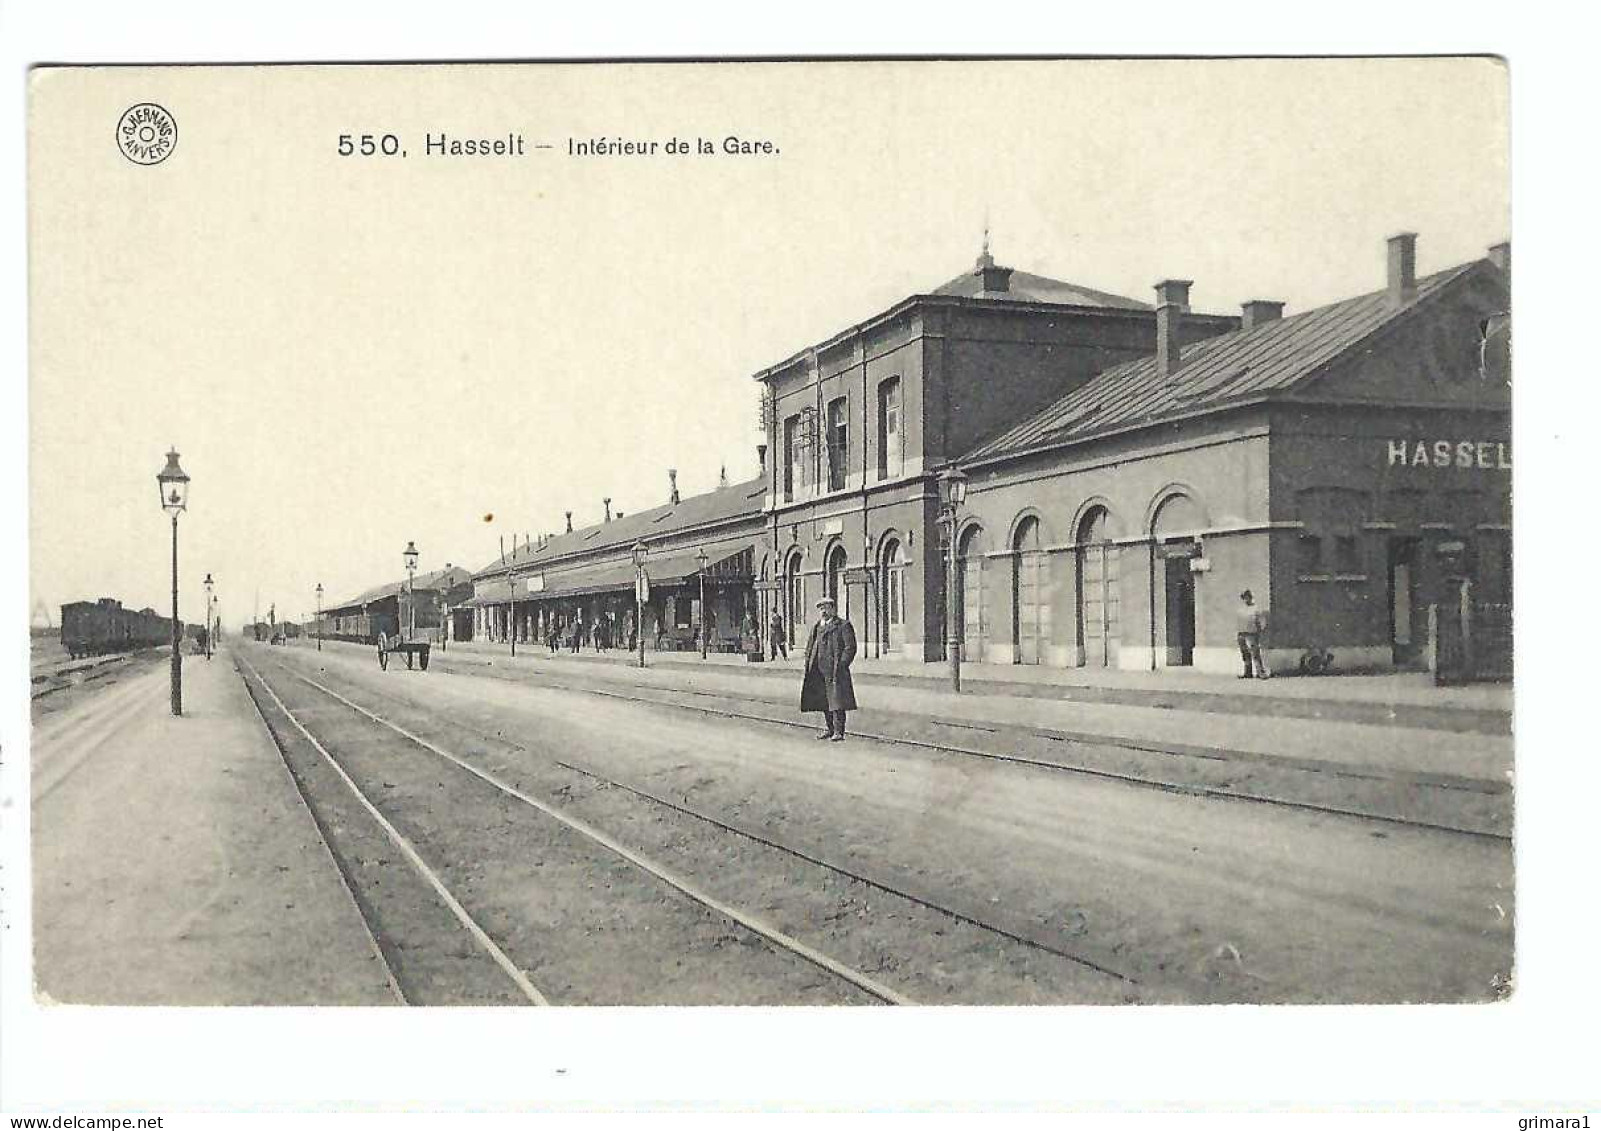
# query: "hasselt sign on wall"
{"type": "Point", "coordinates": [1490, 454]}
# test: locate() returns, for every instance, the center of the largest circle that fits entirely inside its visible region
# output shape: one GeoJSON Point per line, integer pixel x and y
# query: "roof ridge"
{"type": "Point", "coordinates": [1129, 386]}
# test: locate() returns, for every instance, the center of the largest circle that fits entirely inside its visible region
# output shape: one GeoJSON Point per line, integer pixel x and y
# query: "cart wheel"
{"type": "Point", "coordinates": [408, 659]}
{"type": "Point", "coordinates": [423, 660]}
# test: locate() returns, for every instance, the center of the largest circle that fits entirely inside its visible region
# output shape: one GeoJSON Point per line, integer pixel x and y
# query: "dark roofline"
{"type": "Point", "coordinates": [534, 562]}
{"type": "Point", "coordinates": [1279, 396]}
{"type": "Point", "coordinates": [499, 570]}
{"type": "Point", "coordinates": [983, 305]}
{"type": "Point", "coordinates": [425, 585]}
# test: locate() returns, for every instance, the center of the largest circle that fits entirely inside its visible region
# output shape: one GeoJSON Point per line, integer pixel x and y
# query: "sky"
{"type": "Point", "coordinates": [353, 353]}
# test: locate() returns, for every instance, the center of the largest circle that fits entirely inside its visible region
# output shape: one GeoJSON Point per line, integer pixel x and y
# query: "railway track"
{"type": "Point", "coordinates": [861, 983]}
{"type": "Point", "coordinates": [732, 707]}
{"type": "Point", "coordinates": [1020, 933]}
{"type": "Point", "coordinates": [1130, 944]}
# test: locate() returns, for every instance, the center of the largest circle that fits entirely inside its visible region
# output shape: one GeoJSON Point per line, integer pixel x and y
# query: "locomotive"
{"type": "Point", "coordinates": [95, 628]}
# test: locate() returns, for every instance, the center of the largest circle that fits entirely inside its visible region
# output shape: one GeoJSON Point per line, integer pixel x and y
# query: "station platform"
{"type": "Point", "coordinates": [1464, 738]}
{"type": "Point", "coordinates": [1394, 698]}
{"type": "Point", "coordinates": [174, 862]}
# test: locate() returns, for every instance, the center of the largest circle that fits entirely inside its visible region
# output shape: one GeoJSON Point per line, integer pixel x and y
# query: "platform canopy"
{"type": "Point", "coordinates": [619, 576]}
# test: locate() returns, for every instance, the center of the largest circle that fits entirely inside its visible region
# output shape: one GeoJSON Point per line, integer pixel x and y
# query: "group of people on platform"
{"type": "Point", "coordinates": [602, 633]}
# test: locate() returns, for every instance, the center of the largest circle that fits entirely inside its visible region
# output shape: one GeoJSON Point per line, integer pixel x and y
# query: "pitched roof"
{"type": "Point", "coordinates": [1215, 372]}
{"type": "Point", "coordinates": [738, 500]}
{"type": "Point", "coordinates": [1024, 287]}
{"type": "Point", "coordinates": [451, 577]}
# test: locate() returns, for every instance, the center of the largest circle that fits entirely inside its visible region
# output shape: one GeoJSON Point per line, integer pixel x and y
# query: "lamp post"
{"type": "Point", "coordinates": [208, 583]}
{"type": "Point", "coordinates": [705, 623]}
{"type": "Point", "coordinates": [319, 616]}
{"type": "Point", "coordinates": [641, 594]}
{"type": "Point", "coordinates": [411, 589]}
{"type": "Point", "coordinates": [953, 493]}
{"type": "Point", "coordinates": [173, 484]}
{"type": "Point", "coordinates": [511, 620]}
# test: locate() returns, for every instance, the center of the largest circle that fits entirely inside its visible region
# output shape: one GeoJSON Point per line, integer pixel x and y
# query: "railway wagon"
{"type": "Point", "coordinates": [97, 628]}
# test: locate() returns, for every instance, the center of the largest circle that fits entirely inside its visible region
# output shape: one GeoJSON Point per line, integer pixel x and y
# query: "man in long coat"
{"type": "Point", "coordinates": [827, 686]}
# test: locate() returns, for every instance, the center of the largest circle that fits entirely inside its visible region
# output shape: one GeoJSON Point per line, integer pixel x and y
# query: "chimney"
{"type": "Point", "coordinates": [502, 548]}
{"type": "Point", "coordinates": [672, 481]}
{"type": "Point", "coordinates": [1172, 300]}
{"type": "Point", "coordinates": [722, 476]}
{"type": "Point", "coordinates": [1401, 276]}
{"type": "Point", "coordinates": [994, 278]}
{"type": "Point", "coordinates": [1501, 255]}
{"type": "Point", "coordinates": [607, 502]}
{"type": "Point", "coordinates": [761, 456]}
{"type": "Point", "coordinates": [1259, 311]}
{"type": "Point", "coordinates": [569, 522]}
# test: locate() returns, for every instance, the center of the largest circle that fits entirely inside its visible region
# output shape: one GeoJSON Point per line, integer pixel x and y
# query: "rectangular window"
{"type": "Point", "coordinates": [1309, 554]}
{"type": "Point", "coordinates": [792, 457]}
{"type": "Point", "coordinates": [1347, 554]}
{"type": "Point", "coordinates": [897, 597]}
{"type": "Point", "coordinates": [889, 428]}
{"type": "Point", "coordinates": [838, 443]}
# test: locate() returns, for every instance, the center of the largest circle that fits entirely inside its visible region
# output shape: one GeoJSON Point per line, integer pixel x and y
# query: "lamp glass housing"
{"type": "Point", "coordinates": [411, 555]}
{"type": "Point", "coordinates": [173, 483]}
{"type": "Point", "coordinates": [955, 487]}
{"type": "Point", "coordinates": [640, 553]}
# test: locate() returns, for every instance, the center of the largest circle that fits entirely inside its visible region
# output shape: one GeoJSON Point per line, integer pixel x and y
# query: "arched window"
{"type": "Point", "coordinates": [892, 593]}
{"type": "Point", "coordinates": [1030, 628]}
{"type": "Point", "coordinates": [970, 569]}
{"type": "Point", "coordinates": [793, 597]}
{"type": "Point", "coordinates": [834, 580]}
{"type": "Point", "coordinates": [1097, 594]}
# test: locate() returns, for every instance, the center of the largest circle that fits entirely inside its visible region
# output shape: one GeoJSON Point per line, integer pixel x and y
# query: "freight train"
{"type": "Point", "coordinates": [95, 628]}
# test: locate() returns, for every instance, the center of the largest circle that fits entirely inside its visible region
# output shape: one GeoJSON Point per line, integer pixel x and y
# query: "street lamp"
{"type": "Point", "coordinates": [953, 493]}
{"type": "Point", "coordinates": [705, 624]}
{"type": "Point", "coordinates": [511, 620]}
{"type": "Point", "coordinates": [411, 589]}
{"type": "Point", "coordinates": [208, 583]}
{"type": "Point", "coordinates": [641, 595]}
{"type": "Point", "coordinates": [173, 484]}
{"type": "Point", "coordinates": [319, 616]}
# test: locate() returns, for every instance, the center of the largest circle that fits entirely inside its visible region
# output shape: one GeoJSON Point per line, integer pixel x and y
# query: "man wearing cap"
{"type": "Point", "coordinates": [827, 685]}
{"type": "Point", "coordinates": [1250, 621]}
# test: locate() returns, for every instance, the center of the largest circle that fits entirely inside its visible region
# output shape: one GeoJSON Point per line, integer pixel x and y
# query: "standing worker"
{"type": "Point", "coordinates": [827, 685]}
{"type": "Point", "coordinates": [1251, 621]}
{"type": "Point", "coordinates": [775, 636]}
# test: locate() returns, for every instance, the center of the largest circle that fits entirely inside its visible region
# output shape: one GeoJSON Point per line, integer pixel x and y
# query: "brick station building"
{"type": "Point", "coordinates": [1131, 468]}
{"type": "Point", "coordinates": [861, 423]}
{"type": "Point", "coordinates": [1349, 464]}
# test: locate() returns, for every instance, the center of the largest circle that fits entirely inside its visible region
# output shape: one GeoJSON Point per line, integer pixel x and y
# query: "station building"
{"type": "Point", "coordinates": [586, 577]}
{"type": "Point", "coordinates": [1131, 468]}
{"type": "Point", "coordinates": [386, 609]}
{"type": "Point", "coordinates": [861, 423]}
{"type": "Point", "coordinates": [1350, 465]}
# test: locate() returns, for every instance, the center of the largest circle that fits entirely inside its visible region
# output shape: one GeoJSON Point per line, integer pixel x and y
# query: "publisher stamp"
{"type": "Point", "coordinates": [147, 134]}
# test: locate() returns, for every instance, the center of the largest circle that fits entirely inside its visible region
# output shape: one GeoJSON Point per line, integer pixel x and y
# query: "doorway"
{"type": "Point", "coordinates": [1406, 633]}
{"type": "Point", "coordinates": [1179, 586]}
